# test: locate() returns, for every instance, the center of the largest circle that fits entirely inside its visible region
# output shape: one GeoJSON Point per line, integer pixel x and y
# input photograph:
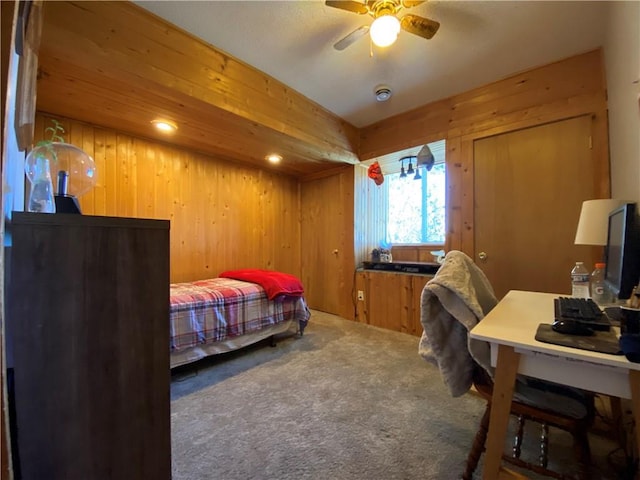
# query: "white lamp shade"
{"type": "Point", "coordinates": [594, 221]}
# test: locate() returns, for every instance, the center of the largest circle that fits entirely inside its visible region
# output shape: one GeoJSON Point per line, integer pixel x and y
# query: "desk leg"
{"type": "Point", "coordinates": [504, 383]}
{"type": "Point", "coordinates": [634, 383]}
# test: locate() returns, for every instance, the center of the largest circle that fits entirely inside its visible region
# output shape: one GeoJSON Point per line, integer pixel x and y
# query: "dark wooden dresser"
{"type": "Point", "coordinates": [88, 346]}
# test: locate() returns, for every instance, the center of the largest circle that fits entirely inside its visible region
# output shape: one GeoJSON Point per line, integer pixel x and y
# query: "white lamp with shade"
{"type": "Point", "coordinates": [594, 221]}
{"type": "Point", "coordinates": [593, 227]}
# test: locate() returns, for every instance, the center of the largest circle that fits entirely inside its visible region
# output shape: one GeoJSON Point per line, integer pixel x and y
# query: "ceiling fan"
{"type": "Point", "coordinates": [386, 25]}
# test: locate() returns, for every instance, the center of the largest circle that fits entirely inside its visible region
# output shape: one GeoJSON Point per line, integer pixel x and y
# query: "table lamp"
{"type": "Point", "coordinates": [72, 172]}
{"type": "Point", "coordinates": [593, 224]}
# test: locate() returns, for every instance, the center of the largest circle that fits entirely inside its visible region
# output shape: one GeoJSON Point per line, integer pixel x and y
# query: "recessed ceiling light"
{"type": "Point", "coordinates": [165, 126]}
{"type": "Point", "coordinates": [274, 158]}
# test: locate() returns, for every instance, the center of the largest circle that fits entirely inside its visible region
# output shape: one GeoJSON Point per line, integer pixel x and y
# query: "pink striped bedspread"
{"type": "Point", "coordinates": [217, 309]}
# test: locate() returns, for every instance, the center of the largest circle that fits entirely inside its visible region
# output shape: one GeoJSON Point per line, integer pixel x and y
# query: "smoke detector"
{"type": "Point", "coordinates": [383, 93]}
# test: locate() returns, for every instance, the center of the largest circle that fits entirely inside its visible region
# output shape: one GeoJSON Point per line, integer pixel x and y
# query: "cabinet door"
{"type": "Point", "coordinates": [88, 313]}
{"type": "Point", "coordinates": [529, 186]}
{"type": "Point", "coordinates": [391, 300]}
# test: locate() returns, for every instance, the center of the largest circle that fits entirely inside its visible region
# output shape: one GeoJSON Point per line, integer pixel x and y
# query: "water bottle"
{"type": "Point", "coordinates": [580, 281]}
{"type": "Point", "coordinates": [599, 291]}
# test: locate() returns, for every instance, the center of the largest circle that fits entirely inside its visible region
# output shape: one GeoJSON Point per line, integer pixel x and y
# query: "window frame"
{"type": "Point", "coordinates": [424, 211]}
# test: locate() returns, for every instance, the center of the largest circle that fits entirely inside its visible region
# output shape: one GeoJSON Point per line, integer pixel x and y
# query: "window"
{"type": "Point", "coordinates": [416, 207]}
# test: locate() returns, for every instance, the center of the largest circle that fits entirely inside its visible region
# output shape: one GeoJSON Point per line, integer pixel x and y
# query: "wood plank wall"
{"type": "Point", "coordinates": [565, 89]}
{"type": "Point", "coordinates": [414, 253]}
{"type": "Point", "coordinates": [207, 235]}
{"type": "Point", "coordinates": [223, 215]}
{"type": "Point", "coordinates": [117, 65]}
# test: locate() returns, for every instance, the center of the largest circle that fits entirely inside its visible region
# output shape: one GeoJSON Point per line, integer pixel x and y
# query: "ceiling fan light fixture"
{"type": "Point", "coordinates": [384, 30]}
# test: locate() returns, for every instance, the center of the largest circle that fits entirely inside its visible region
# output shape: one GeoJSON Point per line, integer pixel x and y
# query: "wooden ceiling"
{"type": "Point", "coordinates": [115, 65]}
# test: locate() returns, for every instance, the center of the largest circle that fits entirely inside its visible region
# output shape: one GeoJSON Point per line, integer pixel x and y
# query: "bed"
{"type": "Point", "coordinates": [218, 315]}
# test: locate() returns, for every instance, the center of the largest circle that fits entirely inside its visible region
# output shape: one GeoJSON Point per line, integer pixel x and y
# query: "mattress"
{"type": "Point", "coordinates": [223, 311]}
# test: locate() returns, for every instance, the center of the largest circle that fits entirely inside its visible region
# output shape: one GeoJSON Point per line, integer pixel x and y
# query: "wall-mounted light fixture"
{"type": "Point", "coordinates": [410, 170]}
{"type": "Point", "coordinates": [403, 174]}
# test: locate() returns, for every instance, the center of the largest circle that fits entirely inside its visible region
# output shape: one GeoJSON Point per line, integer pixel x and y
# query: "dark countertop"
{"type": "Point", "coordinates": [424, 268]}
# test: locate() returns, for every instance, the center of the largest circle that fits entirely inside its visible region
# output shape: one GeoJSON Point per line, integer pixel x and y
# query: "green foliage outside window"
{"type": "Point", "coordinates": [417, 207]}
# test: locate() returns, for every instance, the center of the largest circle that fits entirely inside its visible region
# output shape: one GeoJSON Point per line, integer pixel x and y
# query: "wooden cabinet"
{"type": "Point", "coordinates": [88, 346]}
{"type": "Point", "coordinates": [391, 300]}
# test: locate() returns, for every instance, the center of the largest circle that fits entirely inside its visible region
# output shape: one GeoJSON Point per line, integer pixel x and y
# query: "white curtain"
{"type": "Point", "coordinates": [370, 215]}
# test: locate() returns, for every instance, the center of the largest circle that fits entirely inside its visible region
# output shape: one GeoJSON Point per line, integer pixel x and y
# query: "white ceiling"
{"type": "Point", "coordinates": [478, 42]}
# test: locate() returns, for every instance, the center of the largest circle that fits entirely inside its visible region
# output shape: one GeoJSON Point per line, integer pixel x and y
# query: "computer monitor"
{"type": "Point", "coordinates": [622, 270]}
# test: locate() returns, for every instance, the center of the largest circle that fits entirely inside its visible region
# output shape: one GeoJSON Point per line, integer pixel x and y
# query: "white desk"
{"type": "Point", "coordinates": [510, 328]}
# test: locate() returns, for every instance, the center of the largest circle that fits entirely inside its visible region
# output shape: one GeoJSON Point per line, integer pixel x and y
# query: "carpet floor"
{"type": "Point", "coordinates": [345, 401]}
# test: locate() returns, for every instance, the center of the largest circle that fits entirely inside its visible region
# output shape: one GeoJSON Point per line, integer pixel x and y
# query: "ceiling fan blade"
{"type": "Point", "coordinates": [420, 26]}
{"type": "Point", "coordinates": [411, 3]}
{"type": "Point", "coordinates": [351, 38]}
{"type": "Point", "coordinates": [349, 6]}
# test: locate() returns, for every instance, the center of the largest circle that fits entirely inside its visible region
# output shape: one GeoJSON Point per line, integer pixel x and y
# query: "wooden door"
{"type": "Point", "coordinates": [327, 255]}
{"type": "Point", "coordinates": [529, 186]}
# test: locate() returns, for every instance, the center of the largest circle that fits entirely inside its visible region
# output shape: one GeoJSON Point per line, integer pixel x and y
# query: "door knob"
{"type": "Point", "coordinates": [482, 256]}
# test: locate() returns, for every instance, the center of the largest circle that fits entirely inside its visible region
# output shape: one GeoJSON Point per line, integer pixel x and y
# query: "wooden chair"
{"type": "Point", "coordinates": [454, 301]}
{"type": "Point", "coordinates": [578, 428]}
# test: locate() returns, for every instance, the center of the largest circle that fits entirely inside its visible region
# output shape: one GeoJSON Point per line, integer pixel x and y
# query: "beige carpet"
{"type": "Point", "coordinates": [345, 401]}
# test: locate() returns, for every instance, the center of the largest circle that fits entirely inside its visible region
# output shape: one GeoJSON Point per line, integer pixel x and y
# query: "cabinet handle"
{"type": "Point", "coordinates": [482, 256]}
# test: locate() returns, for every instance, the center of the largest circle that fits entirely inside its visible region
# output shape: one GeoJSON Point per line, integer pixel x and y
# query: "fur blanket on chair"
{"type": "Point", "coordinates": [452, 303]}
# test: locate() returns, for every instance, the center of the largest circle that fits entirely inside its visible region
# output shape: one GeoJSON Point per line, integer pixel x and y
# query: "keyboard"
{"type": "Point", "coordinates": [584, 310]}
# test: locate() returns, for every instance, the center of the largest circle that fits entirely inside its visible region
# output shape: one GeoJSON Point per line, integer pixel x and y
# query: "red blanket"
{"type": "Point", "coordinates": [274, 283]}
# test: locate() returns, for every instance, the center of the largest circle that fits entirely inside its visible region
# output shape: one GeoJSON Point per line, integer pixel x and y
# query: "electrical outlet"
{"type": "Point", "coordinates": [360, 296]}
